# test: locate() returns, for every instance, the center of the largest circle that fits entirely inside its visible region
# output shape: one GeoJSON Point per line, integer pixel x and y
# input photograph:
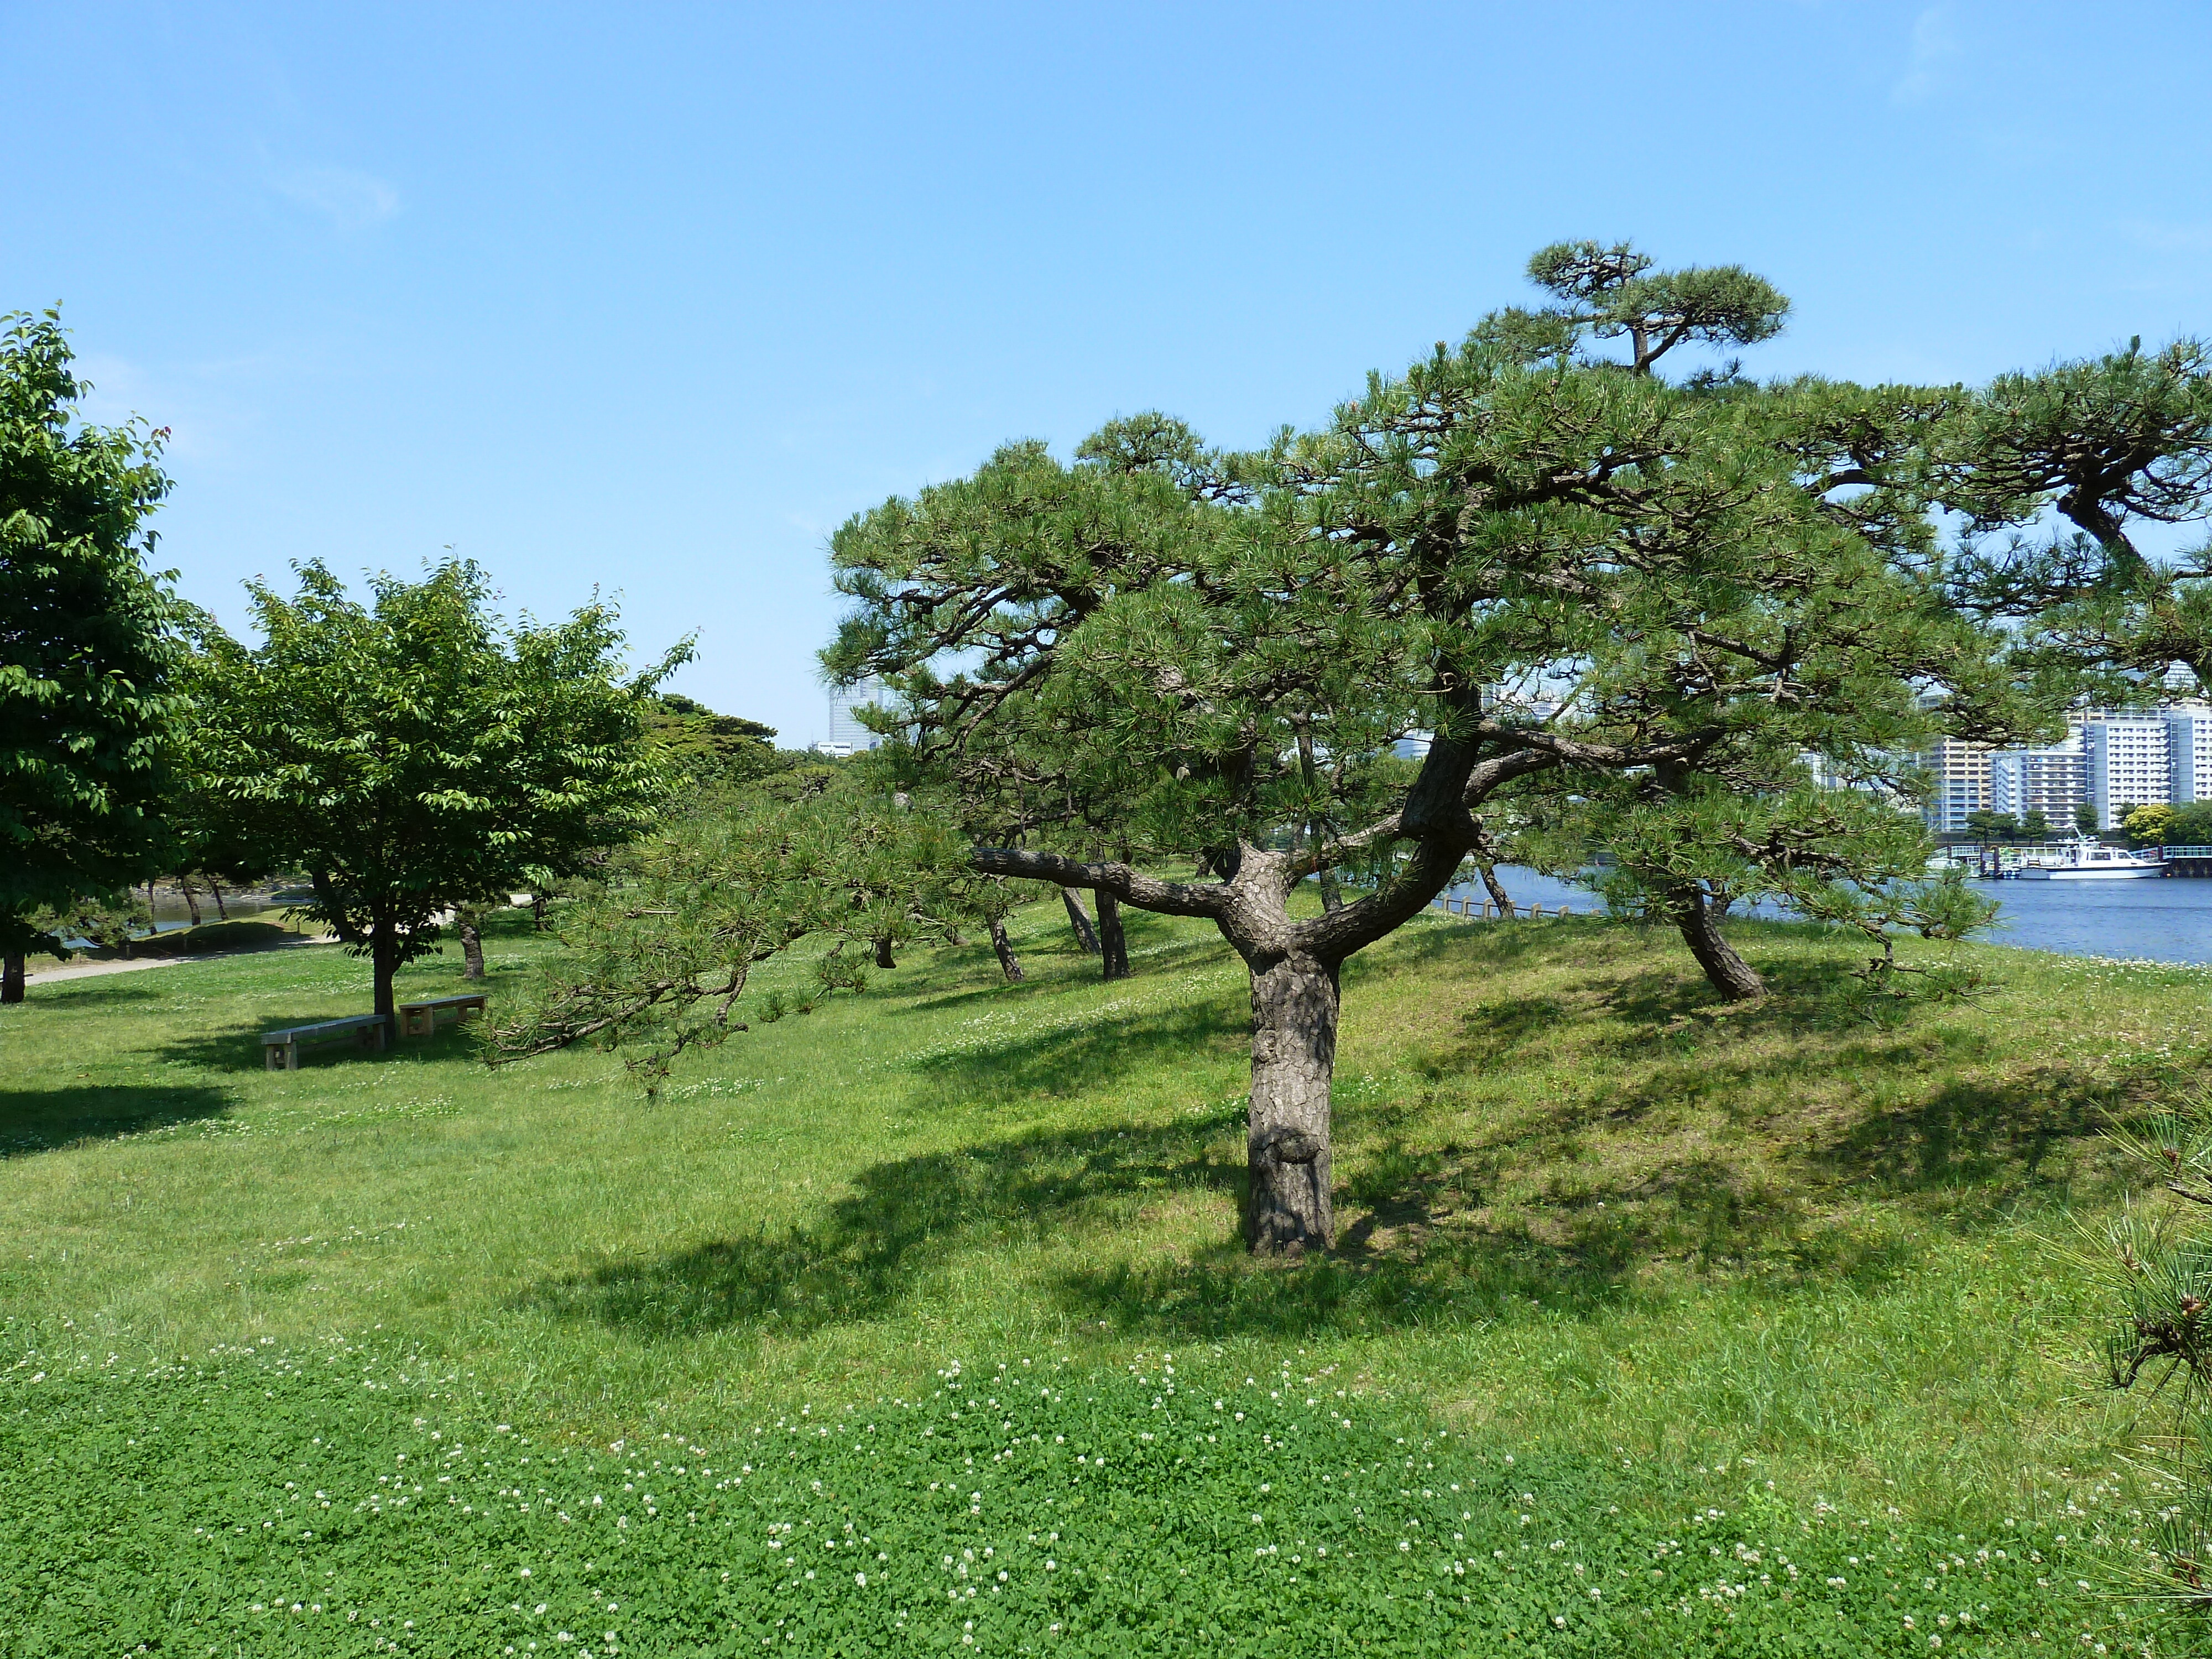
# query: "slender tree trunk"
{"type": "Point", "coordinates": [468, 924]}
{"type": "Point", "coordinates": [1495, 890]}
{"type": "Point", "coordinates": [1294, 1013]}
{"type": "Point", "coordinates": [1009, 963]}
{"type": "Point", "coordinates": [1085, 934]}
{"type": "Point", "coordinates": [538, 912]}
{"type": "Point", "coordinates": [192, 898]}
{"type": "Point", "coordinates": [11, 978]}
{"type": "Point", "coordinates": [383, 963]}
{"type": "Point", "coordinates": [1730, 975]}
{"type": "Point", "coordinates": [1113, 944]}
{"type": "Point", "coordinates": [884, 952]}
{"type": "Point", "coordinates": [1331, 891]}
{"type": "Point", "coordinates": [222, 912]}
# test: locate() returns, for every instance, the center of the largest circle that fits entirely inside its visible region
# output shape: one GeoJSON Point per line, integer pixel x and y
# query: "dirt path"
{"type": "Point", "coordinates": [87, 969]}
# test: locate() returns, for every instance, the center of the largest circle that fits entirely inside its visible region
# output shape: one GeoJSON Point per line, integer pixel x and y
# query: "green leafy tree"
{"type": "Point", "coordinates": [1544, 565]}
{"type": "Point", "coordinates": [2085, 817]}
{"type": "Point", "coordinates": [1988, 825]}
{"type": "Point", "coordinates": [2034, 825]}
{"type": "Point", "coordinates": [2149, 826]}
{"type": "Point", "coordinates": [88, 648]}
{"type": "Point", "coordinates": [2191, 825]}
{"type": "Point", "coordinates": [706, 746]}
{"type": "Point", "coordinates": [412, 754]}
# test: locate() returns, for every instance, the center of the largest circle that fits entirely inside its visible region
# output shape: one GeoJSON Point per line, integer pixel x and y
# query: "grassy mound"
{"type": "Point", "coordinates": [1667, 1252]}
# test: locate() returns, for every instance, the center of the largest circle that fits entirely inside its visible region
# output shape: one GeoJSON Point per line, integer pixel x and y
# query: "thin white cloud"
{"type": "Point", "coordinates": [351, 200]}
{"type": "Point", "coordinates": [1933, 46]}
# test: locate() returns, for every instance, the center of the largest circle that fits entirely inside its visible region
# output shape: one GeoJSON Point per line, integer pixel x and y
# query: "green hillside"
{"type": "Point", "coordinates": [1741, 1287]}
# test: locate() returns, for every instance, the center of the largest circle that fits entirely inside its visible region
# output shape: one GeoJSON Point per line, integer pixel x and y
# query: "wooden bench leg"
{"type": "Point", "coordinates": [291, 1056]}
{"type": "Point", "coordinates": [272, 1056]}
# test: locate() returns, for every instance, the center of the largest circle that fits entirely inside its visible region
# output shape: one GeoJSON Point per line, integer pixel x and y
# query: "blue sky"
{"type": "Point", "coordinates": [652, 298]}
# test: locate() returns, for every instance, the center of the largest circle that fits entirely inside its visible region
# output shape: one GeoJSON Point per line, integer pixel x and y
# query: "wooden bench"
{"type": "Point", "coordinates": [420, 1018]}
{"type": "Point", "coordinates": [280, 1050]}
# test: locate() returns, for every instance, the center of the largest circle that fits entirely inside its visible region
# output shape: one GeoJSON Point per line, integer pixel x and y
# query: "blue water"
{"type": "Point", "coordinates": [2169, 920]}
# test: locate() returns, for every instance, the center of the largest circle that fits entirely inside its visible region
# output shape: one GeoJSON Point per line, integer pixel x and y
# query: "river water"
{"type": "Point", "coordinates": [2168, 919]}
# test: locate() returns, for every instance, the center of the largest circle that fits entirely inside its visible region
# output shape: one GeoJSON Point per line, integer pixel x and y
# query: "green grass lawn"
{"type": "Point", "coordinates": [1758, 1304]}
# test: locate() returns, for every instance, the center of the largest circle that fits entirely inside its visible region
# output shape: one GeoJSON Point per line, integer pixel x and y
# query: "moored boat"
{"type": "Point", "coordinates": [2092, 861]}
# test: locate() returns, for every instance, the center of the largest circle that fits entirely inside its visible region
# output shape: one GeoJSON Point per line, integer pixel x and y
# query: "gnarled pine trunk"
{"type": "Point", "coordinates": [884, 952]}
{"type": "Point", "coordinates": [1079, 920]}
{"type": "Point", "coordinates": [471, 934]}
{"type": "Point", "coordinates": [1294, 1011]}
{"type": "Point", "coordinates": [1498, 896]}
{"type": "Point", "coordinates": [1699, 921]}
{"type": "Point", "coordinates": [1009, 963]}
{"type": "Point", "coordinates": [1112, 944]}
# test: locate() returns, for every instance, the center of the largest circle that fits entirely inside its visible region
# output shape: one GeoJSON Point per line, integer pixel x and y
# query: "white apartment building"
{"type": "Point", "coordinates": [2127, 761]}
{"type": "Point", "coordinates": [2052, 782]}
{"type": "Point", "coordinates": [2189, 752]}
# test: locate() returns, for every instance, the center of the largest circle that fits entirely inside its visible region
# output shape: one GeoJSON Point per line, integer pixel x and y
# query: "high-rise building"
{"type": "Point", "coordinates": [2126, 761]}
{"type": "Point", "coordinates": [1960, 773]}
{"type": "Point", "coordinates": [2189, 752]}
{"type": "Point", "coordinates": [846, 734]}
{"type": "Point", "coordinates": [2052, 782]}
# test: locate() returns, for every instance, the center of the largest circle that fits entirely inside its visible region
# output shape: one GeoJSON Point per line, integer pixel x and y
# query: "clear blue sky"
{"type": "Point", "coordinates": [652, 297]}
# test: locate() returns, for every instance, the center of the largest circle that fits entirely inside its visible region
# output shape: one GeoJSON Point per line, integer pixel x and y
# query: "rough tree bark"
{"type": "Point", "coordinates": [192, 898]}
{"type": "Point", "coordinates": [1294, 965]}
{"type": "Point", "coordinates": [1496, 891]}
{"type": "Point", "coordinates": [222, 911]}
{"type": "Point", "coordinates": [884, 952]}
{"type": "Point", "coordinates": [1331, 891]}
{"type": "Point", "coordinates": [1009, 963]}
{"type": "Point", "coordinates": [1085, 934]}
{"type": "Point", "coordinates": [1112, 944]}
{"type": "Point", "coordinates": [11, 978]}
{"type": "Point", "coordinates": [1699, 921]}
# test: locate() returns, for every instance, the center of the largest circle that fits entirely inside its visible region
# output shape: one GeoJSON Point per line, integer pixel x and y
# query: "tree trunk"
{"type": "Point", "coordinates": [884, 952]}
{"type": "Point", "coordinates": [1085, 934]}
{"type": "Point", "coordinates": [1730, 975]}
{"type": "Point", "coordinates": [1113, 945]}
{"type": "Point", "coordinates": [383, 963]}
{"type": "Point", "coordinates": [192, 898]}
{"type": "Point", "coordinates": [222, 911]}
{"type": "Point", "coordinates": [466, 924]}
{"type": "Point", "coordinates": [1496, 891]}
{"type": "Point", "coordinates": [538, 913]}
{"type": "Point", "coordinates": [1294, 1011]}
{"type": "Point", "coordinates": [11, 978]}
{"type": "Point", "coordinates": [1332, 889]}
{"type": "Point", "coordinates": [1009, 963]}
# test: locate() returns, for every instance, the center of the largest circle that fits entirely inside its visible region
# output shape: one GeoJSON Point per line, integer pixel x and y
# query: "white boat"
{"type": "Point", "coordinates": [2092, 861]}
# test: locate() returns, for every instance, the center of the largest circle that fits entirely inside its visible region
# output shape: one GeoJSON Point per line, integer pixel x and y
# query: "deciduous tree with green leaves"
{"type": "Point", "coordinates": [414, 753]}
{"type": "Point", "coordinates": [88, 648]}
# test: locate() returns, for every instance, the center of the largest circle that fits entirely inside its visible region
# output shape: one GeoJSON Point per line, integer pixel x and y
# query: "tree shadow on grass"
{"type": "Point", "coordinates": [49, 1119]}
{"type": "Point", "coordinates": [1027, 1060]}
{"type": "Point", "coordinates": [1968, 1135]}
{"type": "Point", "coordinates": [903, 1216]}
{"type": "Point", "coordinates": [239, 1047]}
